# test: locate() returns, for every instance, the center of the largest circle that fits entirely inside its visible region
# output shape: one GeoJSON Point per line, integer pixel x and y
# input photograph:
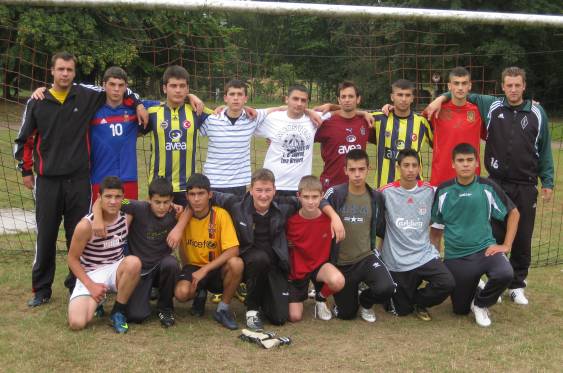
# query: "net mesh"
{"type": "Point", "coordinates": [371, 57]}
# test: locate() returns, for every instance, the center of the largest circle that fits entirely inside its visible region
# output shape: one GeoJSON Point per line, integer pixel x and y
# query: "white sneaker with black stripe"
{"type": "Point", "coordinates": [481, 315]}
{"type": "Point", "coordinates": [367, 314]}
{"type": "Point", "coordinates": [518, 296]}
{"type": "Point", "coordinates": [322, 311]}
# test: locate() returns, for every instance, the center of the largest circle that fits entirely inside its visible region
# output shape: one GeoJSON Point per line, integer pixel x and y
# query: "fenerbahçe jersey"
{"type": "Point", "coordinates": [393, 134]}
{"type": "Point", "coordinates": [173, 143]}
{"type": "Point", "coordinates": [113, 143]}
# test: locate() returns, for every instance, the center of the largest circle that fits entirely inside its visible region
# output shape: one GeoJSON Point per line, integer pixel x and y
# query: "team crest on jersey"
{"type": "Point", "coordinates": [186, 124]}
{"type": "Point", "coordinates": [414, 137]}
{"type": "Point", "coordinates": [422, 210]}
{"type": "Point", "coordinates": [164, 124]}
{"type": "Point", "coordinates": [175, 135]}
{"type": "Point", "coordinates": [524, 122]}
{"type": "Point", "coordinates": [126, 117]}
{"type": "Point", "coordinates": [351, 138]}
{"type": "Point", "coordinates": [470, 116]}
{"type": "Point", "coordinates": [363, 131]}
{"type": "Point", "coordinates": [400, 144]}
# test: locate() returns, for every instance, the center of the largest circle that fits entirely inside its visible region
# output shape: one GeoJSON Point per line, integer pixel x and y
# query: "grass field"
{"type": "Point", "coordinates": [521, 339]}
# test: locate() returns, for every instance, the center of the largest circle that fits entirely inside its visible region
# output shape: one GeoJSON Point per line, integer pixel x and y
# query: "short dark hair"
{"type": "Point", "coordinates": [110, 182]}
{"type": "Point", "coordinates": [407, 153]}
{"type": "Point", "coordinates": [459, 71]}
{"type": "Point", "coordinates": [262, 174]}
{"type": "Point", "coordinates": [161, 186]}
{"type": "Point", "coordinates": [116, 73]}
{"type": "Point", "coordinates": [297, 87]}
{"type": "Point", "coordinates": [177, 72]}
{"type": "Point", "coordinates": [63, 56]}
{"type": "Point", "coordinates": [464, 148]}
{"type": "Point", "coordinates": [403, 84]}
{"type": "Point", "coordinates": [235, 83]}
{"type": "Point", "coordinates": [311, 183]}
{"type": "Point", "coordinates": [357, 155]}
{"type": "Point", "coordinates": [197, 180]}
{"type": "Point", "coordinates": [514, 71]}
{"type": "Point", "coordinates": [348, 84]}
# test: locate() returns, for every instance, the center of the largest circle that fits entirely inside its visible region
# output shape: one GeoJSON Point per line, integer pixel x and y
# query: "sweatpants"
{"type": "Point", "coordinates": [468, 270]}
{"type": "Point", "coordinates": [440, 284]}
{"type": "Point", "coordinates": [163, 275]}
{"type": "Point", "coordinates": [375, 275]}
{"type": "Point", "coordinates": [257, 264]}
{"type": "Point", "coordinates": [55, 198]}
{"type": "Point", "coordinates": [525, 198]}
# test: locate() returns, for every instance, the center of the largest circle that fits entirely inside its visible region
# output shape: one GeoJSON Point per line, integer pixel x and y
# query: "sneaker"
{"type": "Point", "coordinates": [154, 293]}
{"type": "Point", "coordinates": [119, 322]}
{"type": "Point", "coordinates": [99, 312]}
{"type": "Point", "coordinates": [517, 296]}
{"type": "Point", "coordinates": [481, 315]}
{"type": "Point", "coordinates": [253, 320]}
{"type": "Point", "coordinates": [389, 306]}
{"type": "Point", "coordinates": [198, 304]}
{"type": "Point", "coordinates": [241, 292]}
{"type": "Point", "coordinates": [312, 293]}
{"type": "Point", "coordinates": [166, 318]}
{"type": "Point", "coordinates": [367, 314]}
{"type": "Point", "coordinates": [422, 313]}
{"type": "Point", "coordinates": [216, 298]}
{"type": "Point", "coordinates": [38, 300]}
{"type": "Point", "coordinates": [482, 285]}
{"type": "Point", "coordinates": [322, 311]}
{"type": "Point", "coordinates": [335, 310]}
{"type": "Point", "coordinates": [225, 318]}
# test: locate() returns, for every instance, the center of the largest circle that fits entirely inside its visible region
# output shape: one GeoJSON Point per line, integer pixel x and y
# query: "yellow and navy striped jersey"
{"type": "Point", "coordinates": [393, 134]}
{"type": "Point", "coordinates": [173, 143]}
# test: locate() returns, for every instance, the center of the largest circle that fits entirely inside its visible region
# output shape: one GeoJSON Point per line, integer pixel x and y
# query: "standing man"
{"type": "Point", "coordinates": [345, 130]}
{"type": "Point", "coordinates": [407, 250]}
{"type": "Point", "coordinates": [465, 206]}
{"type": "Point", "coordinates": [401, 129]}
{"type": "Point", "coordinates": [517, 153]}
{"type": "Point", "coordinates": [58, 129]}
{"type": "Point", "coordinates": [361, 210]}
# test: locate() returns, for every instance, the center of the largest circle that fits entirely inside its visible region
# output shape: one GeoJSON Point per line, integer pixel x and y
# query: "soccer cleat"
{"type": "Point", "coordinates": [367, 314]}
{"type": "Point", "coordinates": [274, 342]}
{"type": "Point", "coordinates": [481, 315]}
{"type": "Point", "coordinates": [166, 318]}
{"type": "Point", "coordinates": [119, 322]}
{"type": "Point", "coordinates": [255, 336]}
{"type": "Point", "coordinates": [253, 320]}
{"type": "Point", "coordinates": [225, 318]}
{"type": "Point", "coordinates": [38, 300]}
{"type": "Point", "coordinates": [198, 304]}
{"type": "Point", "coordinates": [216, 298]}
{"type": "Point", "coordinates": [517, 296]}
{"type": "Point", "coordinates": [422, 313]}
{"type": "Point", "coordinates": [322, 311]}
{"type": "Point", "coordinates": [241, 292]}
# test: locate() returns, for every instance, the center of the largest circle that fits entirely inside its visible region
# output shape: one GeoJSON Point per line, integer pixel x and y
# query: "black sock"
{"type": "Point", "coordinates": [118, 307]}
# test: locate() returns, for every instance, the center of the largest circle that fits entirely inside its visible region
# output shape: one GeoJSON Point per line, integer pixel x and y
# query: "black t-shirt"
{"type": "Point", "coordinates": [262, 235]}
{"type": "Point", "coordinates": [147, 233]}
{"type": "Point", "coordinates": [233, 120]}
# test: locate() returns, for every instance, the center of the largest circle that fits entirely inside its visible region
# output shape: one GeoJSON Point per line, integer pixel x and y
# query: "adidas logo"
{"type": "Point", "coordinates": [501, 115]}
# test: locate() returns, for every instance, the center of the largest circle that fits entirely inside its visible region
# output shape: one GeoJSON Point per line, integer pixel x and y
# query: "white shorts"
{"type": "Point", "coordinates": [104, 275]}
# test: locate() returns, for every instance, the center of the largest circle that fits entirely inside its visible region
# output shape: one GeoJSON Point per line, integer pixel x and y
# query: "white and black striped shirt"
{"type": "Point", "coordinates": [101, 251]}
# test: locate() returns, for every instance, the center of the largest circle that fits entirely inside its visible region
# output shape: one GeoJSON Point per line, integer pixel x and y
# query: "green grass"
{"type": "Point", "coordinates": [521, 339]}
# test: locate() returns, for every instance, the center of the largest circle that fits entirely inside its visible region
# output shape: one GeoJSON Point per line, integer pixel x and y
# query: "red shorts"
{"type": "Point", "coordinates": [130, 190]}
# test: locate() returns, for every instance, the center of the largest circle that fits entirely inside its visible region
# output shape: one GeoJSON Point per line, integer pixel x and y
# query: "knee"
{"type": "Point", "coordinates": [168, 264]}
{"type": "Point", "coordinates": [446, 283]}
{"type": "Point", "coordinates": [336, 282]}
{"type": "Point", "coordinates": [384, 289]}
{"type": "Point", "coordinates": [295, 316]}
{"type": "Point", "coordinates": [132, 264]}
{"type": "Point", "coordinates": [505, 276]}
{"type": "Point", "coordinates": [235, 265]}
{"type": "Point", "coordinates": [76, 323]}
{"type": "Point", "coordinates": [258, 263]}
{"type": "Point", "coordinates": [182, 291]}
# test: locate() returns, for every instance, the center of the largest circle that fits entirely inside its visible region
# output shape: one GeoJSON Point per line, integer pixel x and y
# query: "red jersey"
{"type": "Point", "coordinates": [309, 243]}
{"type": "Point", "coordinates": [338, 136]}
{"type": "Point", "coordinates": [455, 125]}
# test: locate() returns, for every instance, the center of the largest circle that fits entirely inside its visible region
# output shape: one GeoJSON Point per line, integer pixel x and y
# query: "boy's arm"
{"type": "Point", "coordinates": [336, 225]}
{"type": "Point", "coordinates": [436, 237]}
{"type": "Point", "coordinates": [98, 226]}
{"type": "Point", "coordinates": [23, 150]}
{"type": "Point", "coordinates": [545, 163]}
{"type": "Point", "coordinates": [174, 237]}
{"type": "Point", "coordinates": [511, 228]}
{"type": "Point", "coordinates": [82, 234]}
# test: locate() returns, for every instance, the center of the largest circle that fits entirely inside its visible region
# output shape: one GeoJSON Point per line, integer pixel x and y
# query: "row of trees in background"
{"type": "Point", "coordinates": [272, 52]}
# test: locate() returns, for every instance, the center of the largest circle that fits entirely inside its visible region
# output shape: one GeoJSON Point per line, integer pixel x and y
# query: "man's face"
{"type": "Point", "coordinates": [115, 89]}
{"type": "Point", "coordinates": [409, 169]}
{"type": "Point", "coordinates": [176, 91]}
{"type": "Point", "coordinates": [235, 98]}
{"type": "Point", "coordinates": [310, 199]}
{"type": "Point", "coordinates": [459, 86]}
{"type": "Point", "coordinates": [111, 200]}
{"type": "Point", "coordinates": [357, 171]}
{"type": "Point", "coordinates": [348, 100]}
{"type": "Point", "coordinates": [262, 193]}
{"type": "Point", "coordinates": [297, 102]}
{"type": "Point", "coordinates": [160, 205]}
{"type": "Point", "coordinates": [514, 87]}
{"type": "Point", "coordinates": [402, 98]}
{"type": "Point", "coordinates": [63, 74]}
{"type": "Point", "coordinates": [465, 165]}
{"type": "Point", "coordinates": [198, 199]}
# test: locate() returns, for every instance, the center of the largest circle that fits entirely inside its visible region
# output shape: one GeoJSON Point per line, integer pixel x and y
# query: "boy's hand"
{"type": "Point", "coordinates": [251, 112]}
{"type": "Point", "coordinates": [98, 227]}
{"type": "Point", "coordinates": [178, 209]}
{"type": "Point", "coordinates": [174, 238]}
{"type": "Point", "coordinates": [39, 93]}
{"type": "Point", "coordinates": [337, 228]}
{"type": "Point", "coordinates": [218, 109]}
{"type": "Point", "coordinates": [495, 249]}
{"type": "Point", "coordinates": [98, 291]}
{"type": "Point", "coordinates": [142, 115]}
{"type": "Point", "coordinates": [197, 276]}
{"type": "Point", "coordinates": [28, 181]}
{"type": "Point", "coordinates": [196, 103]}
{"type": "Point", "coordinates": [387, 108]}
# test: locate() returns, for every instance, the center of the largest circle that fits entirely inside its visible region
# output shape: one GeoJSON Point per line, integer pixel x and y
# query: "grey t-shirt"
{"type": "Point", "coordinates": [147, 233]}
{"type": "Point", "coordinates": [407, 215]}
{"type": "Point", "coordinates": [356, 217]}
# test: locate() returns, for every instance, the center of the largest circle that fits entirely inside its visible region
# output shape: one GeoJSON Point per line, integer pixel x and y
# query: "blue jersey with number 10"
{"type": "Point", "coordinates": [113, 141]}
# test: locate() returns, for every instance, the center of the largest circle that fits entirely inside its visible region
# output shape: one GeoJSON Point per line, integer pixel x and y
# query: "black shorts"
{"type": "Point", "coordinates": [212, 282]}
{"type": "Point", "coordinates": [299, 289]}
